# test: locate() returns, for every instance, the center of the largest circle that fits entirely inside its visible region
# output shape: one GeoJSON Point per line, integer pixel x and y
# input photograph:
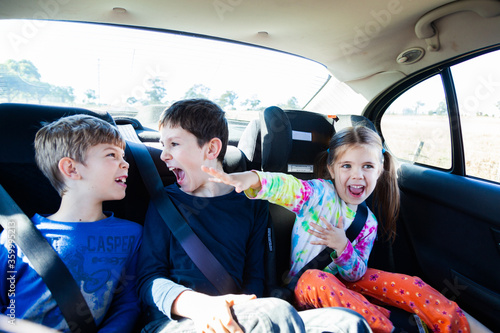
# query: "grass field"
{"type": "Point", "coordinates": [426, 139]}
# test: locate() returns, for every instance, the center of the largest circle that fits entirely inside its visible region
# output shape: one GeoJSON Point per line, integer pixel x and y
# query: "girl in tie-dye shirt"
{"type": "Point", "coordinates": [354, 167]}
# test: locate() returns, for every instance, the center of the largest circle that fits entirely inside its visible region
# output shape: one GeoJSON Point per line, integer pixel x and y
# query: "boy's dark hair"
{"type": "Point", "coordinates": [201, 117]}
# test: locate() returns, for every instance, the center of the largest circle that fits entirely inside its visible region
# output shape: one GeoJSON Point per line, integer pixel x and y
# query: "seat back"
{"type": "Point", "coordinates": [267, 141]}
{"type": "Point", "coordinates": [286, 141]}
{"type": "Point", "coordinates": [19, 174]}
{"type": "Point", "coordinates": [311, 134]}
{"type": "Point", "coordinates": [26, 184]}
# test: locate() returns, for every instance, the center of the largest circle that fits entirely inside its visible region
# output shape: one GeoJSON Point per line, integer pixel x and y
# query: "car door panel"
{"type": "Point", "coordinates": [452, 224]}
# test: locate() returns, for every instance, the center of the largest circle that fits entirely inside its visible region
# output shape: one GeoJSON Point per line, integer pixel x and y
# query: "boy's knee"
{"type": "Point", "coordinates": [273, 307]}
{"type": "Point", "coordinates": [268, 315]}
{"type": "Point", "coordinates": [334, 320]}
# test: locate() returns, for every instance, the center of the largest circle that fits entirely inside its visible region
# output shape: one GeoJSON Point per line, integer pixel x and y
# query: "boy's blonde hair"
{"type": "Point", "coordinates": [71, 137]}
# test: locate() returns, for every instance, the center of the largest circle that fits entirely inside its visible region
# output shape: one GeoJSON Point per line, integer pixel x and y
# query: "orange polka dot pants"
{"type": "Point", "coordinates": [316, 289]}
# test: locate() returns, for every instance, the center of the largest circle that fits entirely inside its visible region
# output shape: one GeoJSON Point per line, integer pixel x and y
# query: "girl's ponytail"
{"type": "Point", "coordinates": [320, 166]}
{"type": "Point", "coordinates": [386, 198]}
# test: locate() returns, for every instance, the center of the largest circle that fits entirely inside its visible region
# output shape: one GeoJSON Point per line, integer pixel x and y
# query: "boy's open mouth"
{"type": "Point", "coordinates": [121, 180]}
{"type": "Point", "coordinates": [356, 190]}
{"type": "Point", "coordinates": [179, 174]}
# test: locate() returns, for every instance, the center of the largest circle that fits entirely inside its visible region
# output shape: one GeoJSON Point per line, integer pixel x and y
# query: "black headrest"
{"type": "Point", "coordinates": [276, 139]}
{"type": "Point", "coordinates": [20, 122]}
{"type": "Point", "coordinates": [291, 140]}
{"type": "Point", "coordinates": [234, 160]}
{"type": "Point", "coordinates": [267, 142]}
{"type": "Point", "coordinates": [311, 134]}
{"type": "Point", "coordinates": [19, 174]}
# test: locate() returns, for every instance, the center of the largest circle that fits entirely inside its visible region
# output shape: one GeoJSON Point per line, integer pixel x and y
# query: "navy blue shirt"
{"type": "Point", "coordinates": [231, 226]}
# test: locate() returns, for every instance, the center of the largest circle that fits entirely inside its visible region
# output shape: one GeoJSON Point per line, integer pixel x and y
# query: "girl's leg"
{"type": "Point", "coordinates": [413, 295]}
{"type": "Point", "coordinates": [318, 289]}
{"type": "Point", "coordinates": [475, 325]}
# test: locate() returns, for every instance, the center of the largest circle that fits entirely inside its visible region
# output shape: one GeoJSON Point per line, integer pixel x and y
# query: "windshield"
{"type": "Point", "coordinates": [138, 72]}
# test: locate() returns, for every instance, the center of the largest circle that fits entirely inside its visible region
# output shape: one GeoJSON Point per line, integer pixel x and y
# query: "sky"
{"type": "Point", "coordinates": [118, 63]}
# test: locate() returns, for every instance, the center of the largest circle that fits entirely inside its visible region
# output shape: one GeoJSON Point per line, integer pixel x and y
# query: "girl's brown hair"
{"type": "Point", "coordinates": [386, 201]}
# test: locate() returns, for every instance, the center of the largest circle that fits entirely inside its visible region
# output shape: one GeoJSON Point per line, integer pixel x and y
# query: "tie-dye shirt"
{"type": "Point", "coordinates": [310, 200]}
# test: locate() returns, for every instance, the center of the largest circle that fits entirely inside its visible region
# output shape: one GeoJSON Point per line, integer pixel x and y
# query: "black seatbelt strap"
{"type": "Point", "coordinates": [47, 264]}
{"type": "Point", "coordinates": [323, 258]}
{"type": "Point", "coordinates": [194, 247]}
{"type": "Point", "coordinates": [358, 223]}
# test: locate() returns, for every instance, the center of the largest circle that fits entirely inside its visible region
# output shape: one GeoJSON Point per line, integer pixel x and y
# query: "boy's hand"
{"type": "Point", "coordinates": [215, 313]}
{"type": "Point", "coordinates": [333, 237]}
{"type": "Point", "coordinates": [240, 180]}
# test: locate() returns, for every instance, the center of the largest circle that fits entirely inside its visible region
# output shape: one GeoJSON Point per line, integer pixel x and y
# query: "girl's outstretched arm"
{"type": "Point", "coordinates": [240, 180]}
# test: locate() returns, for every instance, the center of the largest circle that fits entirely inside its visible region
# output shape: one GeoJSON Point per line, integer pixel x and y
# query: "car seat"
{"type": "Point", "coordinates": [286, 141]}
{"type": "Point", "coordinates": [19, 174]}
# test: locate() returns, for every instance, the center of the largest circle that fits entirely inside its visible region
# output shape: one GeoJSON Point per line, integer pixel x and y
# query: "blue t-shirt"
{"type": "Point", "coordinates": [101, 256]}
{"type": "Point", "coordinates": [231, 226]}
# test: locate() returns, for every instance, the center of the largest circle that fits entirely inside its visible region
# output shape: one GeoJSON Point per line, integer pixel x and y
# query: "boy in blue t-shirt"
{"type": "Point", "coordinates": [83, 158]}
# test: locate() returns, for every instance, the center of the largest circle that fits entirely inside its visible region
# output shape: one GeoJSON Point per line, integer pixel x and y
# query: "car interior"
{"type": "Point", "coordinates": [377, 55]}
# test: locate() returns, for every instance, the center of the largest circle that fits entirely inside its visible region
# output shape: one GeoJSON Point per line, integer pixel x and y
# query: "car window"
{"type": "Point", "coordinates": [477, 83]}
{"type": "Point", "coordinates": [416, 126]}
{"type": "Point", "coordinates": [139, 72]}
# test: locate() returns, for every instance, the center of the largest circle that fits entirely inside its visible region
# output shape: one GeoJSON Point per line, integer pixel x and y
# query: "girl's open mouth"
{"type": "Point", "coordinates": [356, 190]}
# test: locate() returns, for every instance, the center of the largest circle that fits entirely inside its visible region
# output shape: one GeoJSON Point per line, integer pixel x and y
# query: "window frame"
{"type": "Point", "coordinates": [378, 106]}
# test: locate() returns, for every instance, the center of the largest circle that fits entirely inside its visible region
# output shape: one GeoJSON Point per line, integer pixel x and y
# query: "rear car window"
{"type": "Point", "coordinates": [477, 83]}
{"type": "Point", "coordinates": [138, 72]}
{"type": "Point", "coordinates": [416, 125]}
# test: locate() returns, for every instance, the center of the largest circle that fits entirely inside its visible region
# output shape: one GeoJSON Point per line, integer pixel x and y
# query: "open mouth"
{"type": "Point", "coordinates": [179, 174]}
{"type": "Point", "coordinates": [121, 180]}
{"type": "Point", "coordinates": [356, 190]}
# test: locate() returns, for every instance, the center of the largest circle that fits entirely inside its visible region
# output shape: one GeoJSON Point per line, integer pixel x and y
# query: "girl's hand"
{"type": "Point", "coordinates": [333, 237]}
{"type": "Point", "coordinates": [240, 180]}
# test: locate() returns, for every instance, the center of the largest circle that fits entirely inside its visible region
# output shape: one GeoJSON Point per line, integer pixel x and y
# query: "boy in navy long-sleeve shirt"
{"type": "Point", "coordinates": [179, 297]}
